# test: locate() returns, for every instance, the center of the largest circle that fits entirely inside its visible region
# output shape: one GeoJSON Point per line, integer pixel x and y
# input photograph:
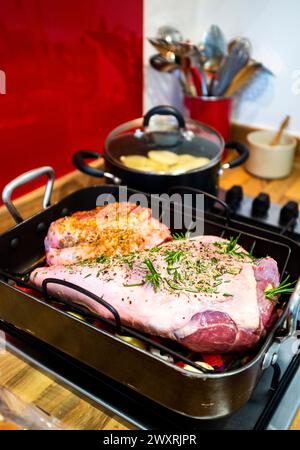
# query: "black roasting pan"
{"type": "Point", "coordinates": [200, 395]}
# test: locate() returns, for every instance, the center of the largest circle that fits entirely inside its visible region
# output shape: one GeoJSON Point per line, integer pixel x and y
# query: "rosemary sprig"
{"type": "Point", "coordinates": [153, 277]}
{"type": "Point", "coordinates": [230, 248]}
{"type": "Point", "coordinates": [285, 287]}
{"type": "Point", "coordinates": [134, 284]}
{"type": "Point", "coordinates": [181, 236]}
{"type": "Point", "coordinates": [181, 288]}
{"type": "Point", "coordinates": [172, 257]}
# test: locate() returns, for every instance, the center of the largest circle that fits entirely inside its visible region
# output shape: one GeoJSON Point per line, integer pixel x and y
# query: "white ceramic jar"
{"type": "Point", "coordinates": [270, 161]}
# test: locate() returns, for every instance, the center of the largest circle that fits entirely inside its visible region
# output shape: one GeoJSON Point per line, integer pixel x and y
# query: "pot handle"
{"type": "Point", "coordinates": [24, 179]}
{"type": "Point", "coordinates": [164, 110]}
{"type": "Point", "coordinates": [79, 162]}
{"type": "Point", "coordinates": [242, 151]}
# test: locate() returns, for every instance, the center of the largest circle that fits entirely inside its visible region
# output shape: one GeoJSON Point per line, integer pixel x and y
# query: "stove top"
{"type": "Point", "coordinates": [261, 212]}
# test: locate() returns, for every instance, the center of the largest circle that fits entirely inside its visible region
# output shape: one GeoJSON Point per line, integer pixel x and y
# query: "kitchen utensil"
{"type": "Point", "coordinates": [270, 161]}
{"type": "Point", "coordinates": [196, 58]}
{"type": "Point", "coordinates": [182, 49]}
{"type": "Point", "coordinates": [187, 137]}
{"type": "Point", "coordinates": [284, 124]}
{"type": "Point", "coordinates": [197, 80]}
{"type": "Point", "coordinates": [214, 48]}
{"type": "Point", "coordinates": [202, 395]}
{"type": "Point", "coordinates": [248, 44]}
{"type": "Point", "coordinates": [243, 78]}
{"type": "Point", "coordinates": [164, 47]}
{"type": "Point", "coordinates": [233, 63]}
{"type": "Point", "coordinates": [162, 64]}
{"type": "Point", "coordinates": [190, 87]}
{"type": "Point", "coordinates": [169, 34]}
{"type": "Point", "coordinates": [240, 39]}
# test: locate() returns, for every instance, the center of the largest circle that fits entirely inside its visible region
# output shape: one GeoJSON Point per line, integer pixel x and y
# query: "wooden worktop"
{"type": "Point", "coordinates": [280, 191]}
{"type": "Point", "coordinates": [72, 410]}
{"type": "Point", "coordinates": [32, 385]}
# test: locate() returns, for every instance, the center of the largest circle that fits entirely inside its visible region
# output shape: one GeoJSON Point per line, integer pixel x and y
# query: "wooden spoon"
{"type": "Point", "coordinates": [282, 127]}
{"type": "Point", "coordinates": [243, 78]}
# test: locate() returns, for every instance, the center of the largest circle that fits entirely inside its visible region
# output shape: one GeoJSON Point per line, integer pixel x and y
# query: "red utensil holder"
{"type": "Point", "coordinates": [213, 111]}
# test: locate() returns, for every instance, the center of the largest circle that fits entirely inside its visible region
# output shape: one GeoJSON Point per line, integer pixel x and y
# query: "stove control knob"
{"type": "Point", "coordinates": [234, 196]}
{"type": "Point", "coordinates": [289, 212]}
{"type": "Point", "coordinates": [261, 205]}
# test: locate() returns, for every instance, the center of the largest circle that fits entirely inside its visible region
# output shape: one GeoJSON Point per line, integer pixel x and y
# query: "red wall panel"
{"type": "Point", "coordinates": [73, 71]}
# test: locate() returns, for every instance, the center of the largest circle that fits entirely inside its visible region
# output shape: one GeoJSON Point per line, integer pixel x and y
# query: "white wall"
{"type": "Point", "coordinates": [273, 26]}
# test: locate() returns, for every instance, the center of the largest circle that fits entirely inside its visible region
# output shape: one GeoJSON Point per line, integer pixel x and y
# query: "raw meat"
{"type": "Point", "coordinates": [192, 291]}
{"type": "Point", "coordinates": [115, 229]}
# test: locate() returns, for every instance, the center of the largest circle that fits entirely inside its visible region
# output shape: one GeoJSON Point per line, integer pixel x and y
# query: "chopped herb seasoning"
{"type": "Point", "coordinates": [175, 273]}
{"type": "Point", "coordinates": [101, 259]}
{"type": "Point", "coordinates": [154, 250]}
{"type": "Point", "coordinates": [172, 257]}
{"type": "Point", "coordinates": [128, 259]}
{"type": "Point", "coordinates": [196, 267]}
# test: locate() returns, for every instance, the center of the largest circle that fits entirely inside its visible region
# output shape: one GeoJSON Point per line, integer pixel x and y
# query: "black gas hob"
{"type": "Point", "coordinates": [260, 211]}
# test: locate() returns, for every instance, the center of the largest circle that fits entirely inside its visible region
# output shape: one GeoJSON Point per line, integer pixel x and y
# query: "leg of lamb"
{"type": "Point", "coordinates": [197, 291]}
{"type": "Point", "coordinates": [114, 229]}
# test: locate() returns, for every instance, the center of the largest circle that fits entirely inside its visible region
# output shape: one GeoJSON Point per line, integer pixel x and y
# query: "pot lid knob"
{"type": "Point", "coordinates": [164, 110]}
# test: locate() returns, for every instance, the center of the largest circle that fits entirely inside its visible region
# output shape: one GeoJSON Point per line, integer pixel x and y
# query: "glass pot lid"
{"type": "Point", "coordinates": [164, 142]}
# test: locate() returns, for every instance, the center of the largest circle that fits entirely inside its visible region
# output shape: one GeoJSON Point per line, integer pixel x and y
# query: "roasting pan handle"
{"type": "Point", "coordinates": [290, 330]}
{"type": "Point", "coordinates": [293, 310]}
{"type": "Point", "coordinates": [24, 179]}
{"type": "Point", "coordinates": [89, 294]}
